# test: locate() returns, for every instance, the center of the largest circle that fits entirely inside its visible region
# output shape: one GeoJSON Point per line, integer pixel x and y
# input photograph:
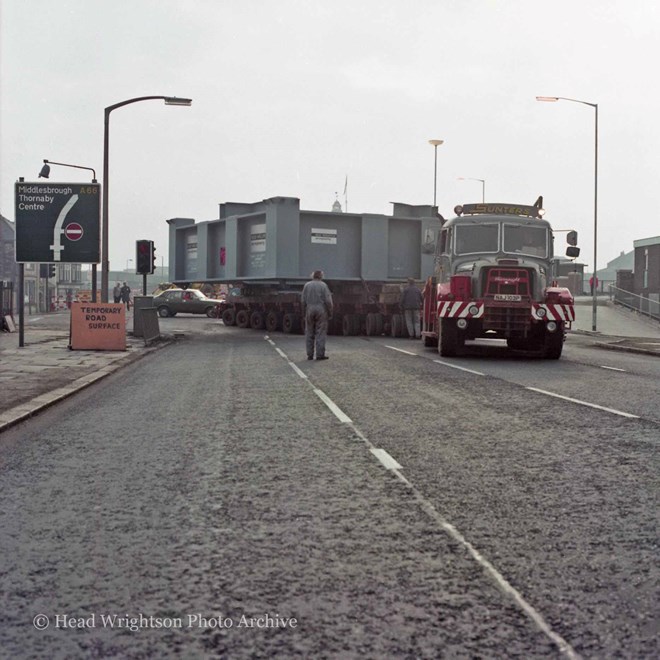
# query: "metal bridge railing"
{"type": "Point", "coordinates": [643, 305]}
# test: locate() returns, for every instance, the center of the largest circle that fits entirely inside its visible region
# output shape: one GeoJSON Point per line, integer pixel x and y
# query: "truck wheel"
{"type": "Point", "coordinates": [257, 321]}
{"type": "Point", "coordinates": [430, 342]}
{"type": "Point", "coordinates": [554, 343]}
{"type": "Point", "coordinates": [273, 321]}
{"type": "Point", "coordinates": [229, 317]}
{"type": "Point", "coordinates": [242, 318]}
{"type": "Point", "coordinates": [450, 341]}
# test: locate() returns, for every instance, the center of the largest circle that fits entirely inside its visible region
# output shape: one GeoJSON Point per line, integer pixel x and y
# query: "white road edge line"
{"type": "Point", "coordinates": [334, 408]}
{"type": "Point", "coordinates": [584, 403]}
{"type": "Point", "coordinates": [455, 366]}
{"type": "Point", "coordinates": [602, 366]}
{"type": "Point", "coordinates": [391, 464]}
{"type": "Point", "coordinates": [500, 580]}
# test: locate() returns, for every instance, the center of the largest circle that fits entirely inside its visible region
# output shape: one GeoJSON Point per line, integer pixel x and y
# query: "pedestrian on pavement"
{"type": "Point", "coordinates": [126, 296]}
{"type": "Point", "coordinates": [316, 301]}
{"type": "Point", "coordinates": [593, 282]}
{"type": "Point", "coordinates": [116, 293]}
{"type": "Point", "coordinates": [411, 303]}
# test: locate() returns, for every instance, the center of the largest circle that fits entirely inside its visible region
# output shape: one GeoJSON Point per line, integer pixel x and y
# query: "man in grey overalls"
{"type": "Point", "coordinates": [316, 301]}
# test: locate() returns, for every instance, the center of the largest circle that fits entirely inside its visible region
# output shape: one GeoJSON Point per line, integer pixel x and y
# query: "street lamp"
{"type": "Point", "coordinates": [105, 248]}
{"type": "Point", "coordinates": [594, 293]}
{"type": "Point", "coordinates": [45, 174]}
{"type": "Point", "coordinates": [45, 170]}
{"type": "Point", "coordinates": [483, 185]}
{"type": "Point", "coordinates": [436, 144]}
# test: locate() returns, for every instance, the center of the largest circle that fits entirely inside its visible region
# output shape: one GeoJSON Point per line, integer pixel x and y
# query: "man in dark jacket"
{"type": "Point", "coordinates": [316, 301]}
{"type": "Point", "coordinates": [126, 295]}
{"type": "Point", "coordinates": [411, 302]}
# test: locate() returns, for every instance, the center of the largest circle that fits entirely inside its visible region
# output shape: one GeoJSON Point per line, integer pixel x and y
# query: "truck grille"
{"type": "Point", "coordinates": [507, 281]}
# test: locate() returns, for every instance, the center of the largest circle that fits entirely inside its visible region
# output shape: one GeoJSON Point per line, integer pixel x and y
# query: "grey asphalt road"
{"type": "Point", "coordinates": [394, 506]}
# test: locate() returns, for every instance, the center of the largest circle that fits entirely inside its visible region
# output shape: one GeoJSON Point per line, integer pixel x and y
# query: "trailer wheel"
{"type": "Point", "coordinates": [273, 321]}
{"type": "Point", "coordinates": [229, 317]}
{"type": "Point", "coordinates": [451, 341]}
{"type": "Point", "coordinates": [554, 343]}
{"type": "Point", "coordinates": [350, 325]}
{"type": "Point", "coordinates": [398, 326]}
{"type": "Point", "coordinates": [335, 326]}
{"type": "Point", "coordinates": [242, 318]}
{"type": "Point", "coordinates": [257, 320]}
{"type": "Point", "coordinates": [291, 323]}
{"type": "Point", "coordinates": [374, 325]}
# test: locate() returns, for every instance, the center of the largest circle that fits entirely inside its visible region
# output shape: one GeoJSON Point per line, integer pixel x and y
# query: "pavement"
{"type": "Point", "coordinates": [44, 371]}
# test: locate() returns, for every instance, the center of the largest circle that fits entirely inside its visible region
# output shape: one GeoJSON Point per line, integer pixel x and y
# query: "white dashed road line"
{"type": "Point", "coordinates": [602, 366]}
{"type": "Point", "coordinates": [334, 408]}
{"type": "Point", "coordinates": [583, 403]}
{"type": "Point", "coordinates": [455, 366]}
{"type": "Point", "coordinates": [388, 462]}
{"type": "Point", "coordinates": [391, 464]}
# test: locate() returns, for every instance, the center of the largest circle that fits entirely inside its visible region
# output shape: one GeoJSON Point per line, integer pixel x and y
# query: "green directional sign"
{"type": "Point", "coordinates": [58, 222]}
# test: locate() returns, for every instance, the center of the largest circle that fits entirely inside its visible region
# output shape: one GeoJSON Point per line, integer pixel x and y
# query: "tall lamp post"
{"type": "Point", "coordinates": [483, 185]}
{"type": "Point", "coordinates": [436, 144]}
{"type": "Point", "coordinates": [105, 248]}
{"type": "Point", "coordinates": [45, 174]}
{"type": "Point", "coordinates": [552, 99]}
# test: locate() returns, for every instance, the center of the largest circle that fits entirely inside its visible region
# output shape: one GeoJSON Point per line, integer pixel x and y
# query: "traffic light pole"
{"type": "Point", "coordinates": [144, 284]}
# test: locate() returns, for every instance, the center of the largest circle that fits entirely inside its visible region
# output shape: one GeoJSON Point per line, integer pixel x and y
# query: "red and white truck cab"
{"type": "Point", "coordinates": [494, 278]}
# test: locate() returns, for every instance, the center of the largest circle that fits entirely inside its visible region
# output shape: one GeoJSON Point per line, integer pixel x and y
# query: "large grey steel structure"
{"type": "Point", "coordinates": [273, 239]}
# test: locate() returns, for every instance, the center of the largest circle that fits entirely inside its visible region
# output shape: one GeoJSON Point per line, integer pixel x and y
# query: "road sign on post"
{"type": "Point", "coordinates": [58, 222]}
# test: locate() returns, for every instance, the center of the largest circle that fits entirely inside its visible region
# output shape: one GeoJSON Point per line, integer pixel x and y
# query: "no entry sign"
{"type": "Point", "coordinates": [58, 222]}
{"type": "Point", "coordinates": [73, 231]}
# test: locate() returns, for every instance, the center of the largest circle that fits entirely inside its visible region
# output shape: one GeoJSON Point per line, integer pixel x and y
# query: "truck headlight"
{"type": "Point", "coordinates": [473, 309]}
{"type": "Point", "coordinates": [551, 326]}
{"type": "Point", "coordinates": [461, 323]}
{"type": "Point", "coordinates": [541, 312]}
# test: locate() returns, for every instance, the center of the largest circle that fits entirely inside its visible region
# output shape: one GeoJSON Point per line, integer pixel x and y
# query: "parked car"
{"type": "Point", "coordinates": [186, 301]}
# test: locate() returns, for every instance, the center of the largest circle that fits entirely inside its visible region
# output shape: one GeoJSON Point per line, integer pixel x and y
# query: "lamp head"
{"type": "Point", "coordinates": [436, 143]}
{"type": "Point", "coordinates": [174, 100]}
{"type": "Point", "coordinates": [45, 171]}
{"type": "Point", "coordinates": [550, 99]}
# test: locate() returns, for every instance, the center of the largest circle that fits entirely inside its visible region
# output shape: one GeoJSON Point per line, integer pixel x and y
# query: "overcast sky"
{"type": "Point", "coordinates": [290, 97]}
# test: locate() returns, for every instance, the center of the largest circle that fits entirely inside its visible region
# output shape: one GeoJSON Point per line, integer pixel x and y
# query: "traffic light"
{"type": "Point", "coordinates": [143, 251]}
{"type": "Point", "coordinates": [153, 257]}
{"type": "Point", "coordinates": [51, 270]}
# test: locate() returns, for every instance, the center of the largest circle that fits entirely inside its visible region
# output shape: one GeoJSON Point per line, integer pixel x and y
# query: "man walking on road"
{"type": "Point", "coordinates": [316, 301]}
{"type": "Point", "coordinates": [411, 302]}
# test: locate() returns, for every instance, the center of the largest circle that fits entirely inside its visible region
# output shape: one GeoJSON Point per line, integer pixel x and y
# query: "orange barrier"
{"type": "Point", "coordinates": [98, 326]}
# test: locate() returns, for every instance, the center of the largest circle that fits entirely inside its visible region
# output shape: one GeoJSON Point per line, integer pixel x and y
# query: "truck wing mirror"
{"type": "Point", "coordinates": [571, 238]}
{"type": "Point", "coordinates": [573, 252]}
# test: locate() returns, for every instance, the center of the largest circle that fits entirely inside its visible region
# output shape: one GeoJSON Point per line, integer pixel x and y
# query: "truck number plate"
{"type": "Point", "coordinates": [507, 297]}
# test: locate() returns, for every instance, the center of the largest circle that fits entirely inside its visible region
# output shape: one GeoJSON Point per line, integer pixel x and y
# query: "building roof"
{"type": "Point", "coordinates": [647, 242]}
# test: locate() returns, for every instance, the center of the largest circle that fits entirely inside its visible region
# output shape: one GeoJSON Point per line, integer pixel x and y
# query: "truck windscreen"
{"type": "Point", "coordinates": [477, 238]}
{"type": "Point", "coordinates": [525, 239]}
